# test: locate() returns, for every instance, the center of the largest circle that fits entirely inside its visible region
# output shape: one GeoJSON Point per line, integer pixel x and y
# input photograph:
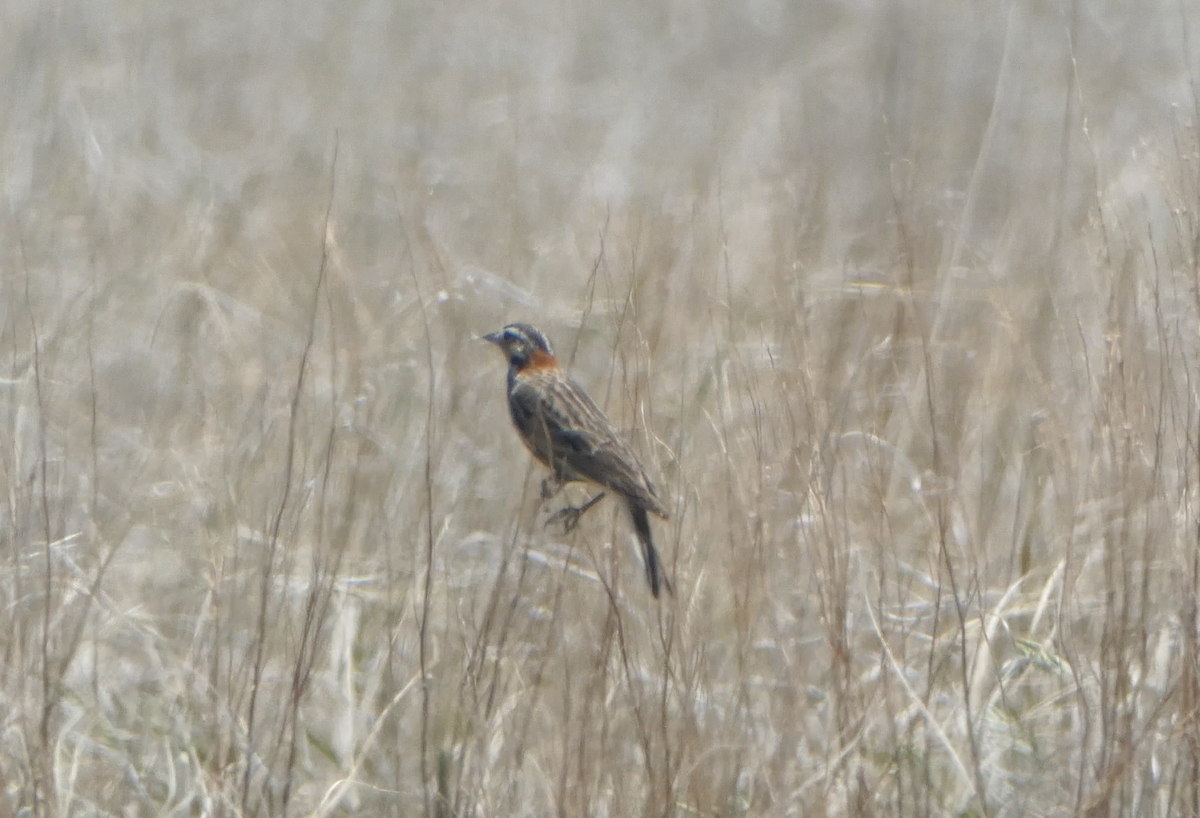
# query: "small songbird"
{"type": "Point", "coordinates": [566, 431]}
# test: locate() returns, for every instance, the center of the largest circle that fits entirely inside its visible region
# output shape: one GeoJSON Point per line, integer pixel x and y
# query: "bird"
{"type": "Point", "coordinates": [566, 431]}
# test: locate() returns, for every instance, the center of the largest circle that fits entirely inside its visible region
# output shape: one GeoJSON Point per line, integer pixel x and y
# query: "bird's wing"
{"type": "Point", "coordinates": [585, 445]}
{"type": "Point", "coordinates": [610, 461]}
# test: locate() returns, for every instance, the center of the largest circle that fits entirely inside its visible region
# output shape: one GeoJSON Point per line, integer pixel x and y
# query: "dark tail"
{"type": "Point", "coordinates": [654, 570]}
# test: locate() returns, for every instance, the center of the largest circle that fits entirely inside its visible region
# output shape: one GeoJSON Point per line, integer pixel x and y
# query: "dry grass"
{"type": "Point", "coordinates": [902, 305]}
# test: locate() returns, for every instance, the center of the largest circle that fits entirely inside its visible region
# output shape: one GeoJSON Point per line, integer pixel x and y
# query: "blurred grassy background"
{"type": "Point", "coordinates": [899, 302]}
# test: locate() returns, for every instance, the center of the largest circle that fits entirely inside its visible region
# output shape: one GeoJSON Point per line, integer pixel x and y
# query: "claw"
{"type": "Point", "coordinates": [569, 516]}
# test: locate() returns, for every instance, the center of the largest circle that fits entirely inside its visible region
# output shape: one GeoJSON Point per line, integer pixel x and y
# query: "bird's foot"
{"type": "Point", "coordinates": [570, 515]}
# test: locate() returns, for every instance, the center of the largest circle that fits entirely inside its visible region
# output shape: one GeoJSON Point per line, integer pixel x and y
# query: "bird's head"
{"type": "Point", "coordinates": [523, 346]}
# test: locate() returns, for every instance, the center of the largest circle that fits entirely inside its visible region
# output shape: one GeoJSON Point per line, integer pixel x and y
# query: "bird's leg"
{"type": "Point", "coordinates": [571, 514]}
{"type": "Point", "coordinates": [552, 485]}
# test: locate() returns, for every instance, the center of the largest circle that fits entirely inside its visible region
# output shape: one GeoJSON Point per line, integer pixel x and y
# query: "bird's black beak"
{"type": "Point", "coordinates": [494, 337]}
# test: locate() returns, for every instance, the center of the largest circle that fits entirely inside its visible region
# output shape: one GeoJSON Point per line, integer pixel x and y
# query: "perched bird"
{"type": "Point", "coordinates": [565, 430]}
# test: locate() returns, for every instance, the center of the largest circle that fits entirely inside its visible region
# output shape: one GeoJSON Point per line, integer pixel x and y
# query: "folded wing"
{"type": "Point", "coordinates": [568, 432]}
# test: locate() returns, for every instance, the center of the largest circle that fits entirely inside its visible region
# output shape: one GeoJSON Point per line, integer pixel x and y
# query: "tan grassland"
{"type": "Point", "coordinates": [899, 302]}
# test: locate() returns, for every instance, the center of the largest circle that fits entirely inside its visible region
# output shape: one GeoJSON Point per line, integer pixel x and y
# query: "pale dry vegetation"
{"type": "Point", "coordinates": [900, 303]}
